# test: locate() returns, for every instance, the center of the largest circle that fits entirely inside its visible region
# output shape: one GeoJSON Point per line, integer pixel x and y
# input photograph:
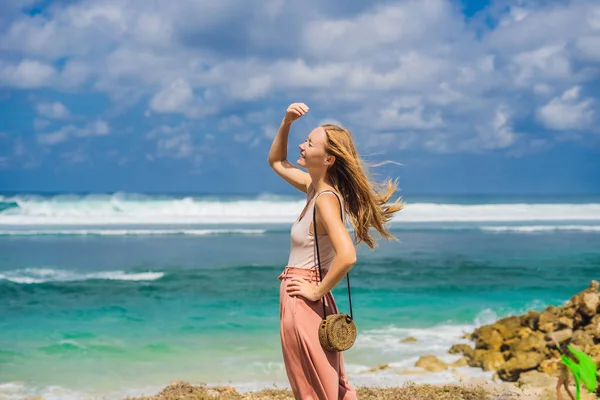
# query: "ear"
{"type": "Point", "coordinates": [329, 160]}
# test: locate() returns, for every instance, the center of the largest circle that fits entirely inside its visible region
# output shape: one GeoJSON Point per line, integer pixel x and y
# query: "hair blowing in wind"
{"type": "Point", "coordinates": [367, 202]}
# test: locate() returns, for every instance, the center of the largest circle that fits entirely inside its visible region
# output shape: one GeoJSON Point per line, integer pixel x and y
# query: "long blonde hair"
{"type": "Point", "coordinates": [366, 202]}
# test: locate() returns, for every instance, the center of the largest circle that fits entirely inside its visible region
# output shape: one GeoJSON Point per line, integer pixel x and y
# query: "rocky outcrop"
{"type": "Point", "coordinates": [409, 339]}
{"type": "Point", "coordinates": [516, 346]}
{"type": "Point", "coordinates": [431, 363]}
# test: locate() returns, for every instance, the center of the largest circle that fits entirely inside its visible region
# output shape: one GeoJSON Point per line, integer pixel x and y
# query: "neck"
{"type": "Point", "coordinates": [319, 181]}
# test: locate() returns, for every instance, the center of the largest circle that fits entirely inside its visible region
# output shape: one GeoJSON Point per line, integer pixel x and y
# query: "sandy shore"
{"type": "Point", "coordinates": [536, 387]}
{"type": "Point", "coordinates": [473, 389]}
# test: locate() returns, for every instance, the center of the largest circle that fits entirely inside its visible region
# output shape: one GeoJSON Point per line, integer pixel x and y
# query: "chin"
{"type": "Point", "coordinates": [300, 161]}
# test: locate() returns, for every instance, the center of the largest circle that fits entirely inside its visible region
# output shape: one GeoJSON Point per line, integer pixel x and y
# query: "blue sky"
{"type": "Point", "coordinates": [186, 96]}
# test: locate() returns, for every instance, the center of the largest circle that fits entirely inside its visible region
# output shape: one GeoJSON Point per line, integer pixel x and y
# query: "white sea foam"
{"type": "Point", "coordinates": [120, 209]}
{"type": "Point", "coordinates": [41, 275]}
{"type": "Point", "coordinates": [384, 346]}
{"type": "Point", "coordinates": [131, 232]}
{"type": "Point", "coordinates": [373, 347]}
{"type": "Point", "coordinates": [18, 391]}
{"type": "Point", "coordinates": [542, 228]}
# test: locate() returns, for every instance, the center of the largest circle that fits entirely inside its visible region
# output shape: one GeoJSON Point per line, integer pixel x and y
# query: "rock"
{"type": "Point", "coordinates": [579, 320]}
{"type": "Point", "coordinates": [517, 344]}
{"type": "Point", "coordinates": [411, 372]}
{"type": "Point", "coordinates": [409, 339]}
{"type": "Point", "coordinates": [464, 349]}
{"type": "Point", "coordinates": [228, 391]}
{"type": "Point", "coordinates": [552, 310]}
{"type": "Point", "coordinates": [510, 324]}
{"type": "Point", "coordinates": [547, 321]}
{"type": "Point", "coordinates": [593, 328]}
{"type": "Point", "coordinates": [531, 319]}
{"type": "Point", "coordinates": [565, 322]}
{"type": "Point", "coordinates": [589, 304]}
{"type": "Point", "coordinates": [492, 360]}
{"type": "Point", "coordinates": [381, 367]}
{"type": "Point", "coordinates": [582, 339]}
{"type": "Point", "coordinates": [568, 311]}
{"type": "Point", "coordinates": [524, 332]}
{"type": "Point", "coordinates": [535, 342]}
{"type": "Point", "coordinates": [476, 360]}
{"type": "Point", "coordinates": [536, 379]}
{"type": "Point", "coordinates": [561, 336]}
{"type": "Point", "coordinates": [520, 362]}
{"type": "Point", "coordinates": [549, 366]}
{"type": "Point", "coordinates": [486, 330]}
{"type": "Point", "coordinates": [220, 392]}
{"type": "Point", "coordinates": [593, 350]}
{"type": "Point", "coordinates": [586, 301]}
{"type": "Point", "coordinates": [431, 363]}
{"type": "Point", "coordinates": [490, 338]}
{"type": "Point", "coordinates": [461, 362]}
{"type": "Point", "coordinates": [594, 353]}
{"type": "Point", "coordinates": [509, 344]}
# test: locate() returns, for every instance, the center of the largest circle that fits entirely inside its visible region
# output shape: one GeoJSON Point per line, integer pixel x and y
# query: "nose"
{"type": "Point", "coordinates": [301, 146]}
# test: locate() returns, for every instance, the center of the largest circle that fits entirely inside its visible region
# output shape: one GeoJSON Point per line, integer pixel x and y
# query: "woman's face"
{"type": "Point", "coordinates": [312, 150]}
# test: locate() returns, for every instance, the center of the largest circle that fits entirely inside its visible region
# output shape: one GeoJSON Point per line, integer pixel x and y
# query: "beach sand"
{"type": "Point", "coordinates": [471, 389]}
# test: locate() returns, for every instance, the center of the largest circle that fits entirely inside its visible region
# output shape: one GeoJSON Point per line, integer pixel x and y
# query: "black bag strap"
{"type": "Point", "coordinates": [319, 257]}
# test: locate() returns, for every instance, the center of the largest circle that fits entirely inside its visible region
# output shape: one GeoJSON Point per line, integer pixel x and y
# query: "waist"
{"type": "Point", "coordinates": [310, 274]}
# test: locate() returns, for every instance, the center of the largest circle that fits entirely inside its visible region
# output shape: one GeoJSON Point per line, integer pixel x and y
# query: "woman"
{"type": "Point", "coordinates": [563, 377]}
{"type": "Point", "coordinates": [335, 184]}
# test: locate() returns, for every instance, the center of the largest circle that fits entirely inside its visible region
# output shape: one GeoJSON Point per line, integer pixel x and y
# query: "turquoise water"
{"type": "Point", "coordinates": [92, 310]}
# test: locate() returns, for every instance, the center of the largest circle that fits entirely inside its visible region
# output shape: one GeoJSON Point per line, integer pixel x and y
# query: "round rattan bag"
{"type": "Point", "coordinates": [337, 332]}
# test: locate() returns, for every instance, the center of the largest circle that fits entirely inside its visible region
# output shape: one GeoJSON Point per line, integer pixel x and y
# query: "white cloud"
{"type": "Point", "coordinates": [567, 111]}
{"type": "Point", "coordinates": [28, 74]}
{"type": "Point", "coordinates": [494, 132]}
{"type": "Point", "coordinates": [589, 46]}
{"type": "Point", "coordinates": [75, 73]}
{"type": "Point", "coordinates": [54, 110]}
{"type": "Point", "coordinates": [39, 124]}
{"type": "Point", "coordinates": [269, 131]}
{"type": "Point", "coordinates": [95, 128]}
{"type": "Point", "coordinates": [174, 98]}
{"type": "Point", "coordinates": [173, 142]}
{"type": "Point", "coordinates": [77, 156]}
{"type": "Point", "coordinates": [233, 122]}
{"type": "Point", "coordinates": [50, 139]}
{"type": "Point", "coordinates": [550, 62]}
{"type": "Point", "coordinates": [501, 135]}
{"type": "Point", "coordinates": [153, 28]}
{"type": "Point", "coordinates": [407, 113]}
{"type": "Point", "coordinates": [359, 66]}
{"type": "Point", "coordinates": [391, 141]}
{"type": "Point", "coordinates": [242, 137]}
{"type": "Point", "coordinates": [397, 25]}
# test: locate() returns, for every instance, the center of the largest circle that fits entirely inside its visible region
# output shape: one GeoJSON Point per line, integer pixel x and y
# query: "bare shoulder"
{"type": "Point", "coordinates": [328, 204]}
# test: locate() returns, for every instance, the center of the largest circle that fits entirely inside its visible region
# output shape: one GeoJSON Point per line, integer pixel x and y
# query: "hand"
{"type": "Point", "coordinates": [295, 111]}
{"type": "Point", "coordinates": [302, 287]}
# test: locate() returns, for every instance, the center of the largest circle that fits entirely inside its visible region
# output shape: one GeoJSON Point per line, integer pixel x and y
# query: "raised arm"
{"type": "Point", "coordinates": [278, 153]}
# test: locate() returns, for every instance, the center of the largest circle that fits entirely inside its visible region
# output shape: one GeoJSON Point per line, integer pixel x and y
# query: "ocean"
{"type": "Point", "coordinates": [108, 295]}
